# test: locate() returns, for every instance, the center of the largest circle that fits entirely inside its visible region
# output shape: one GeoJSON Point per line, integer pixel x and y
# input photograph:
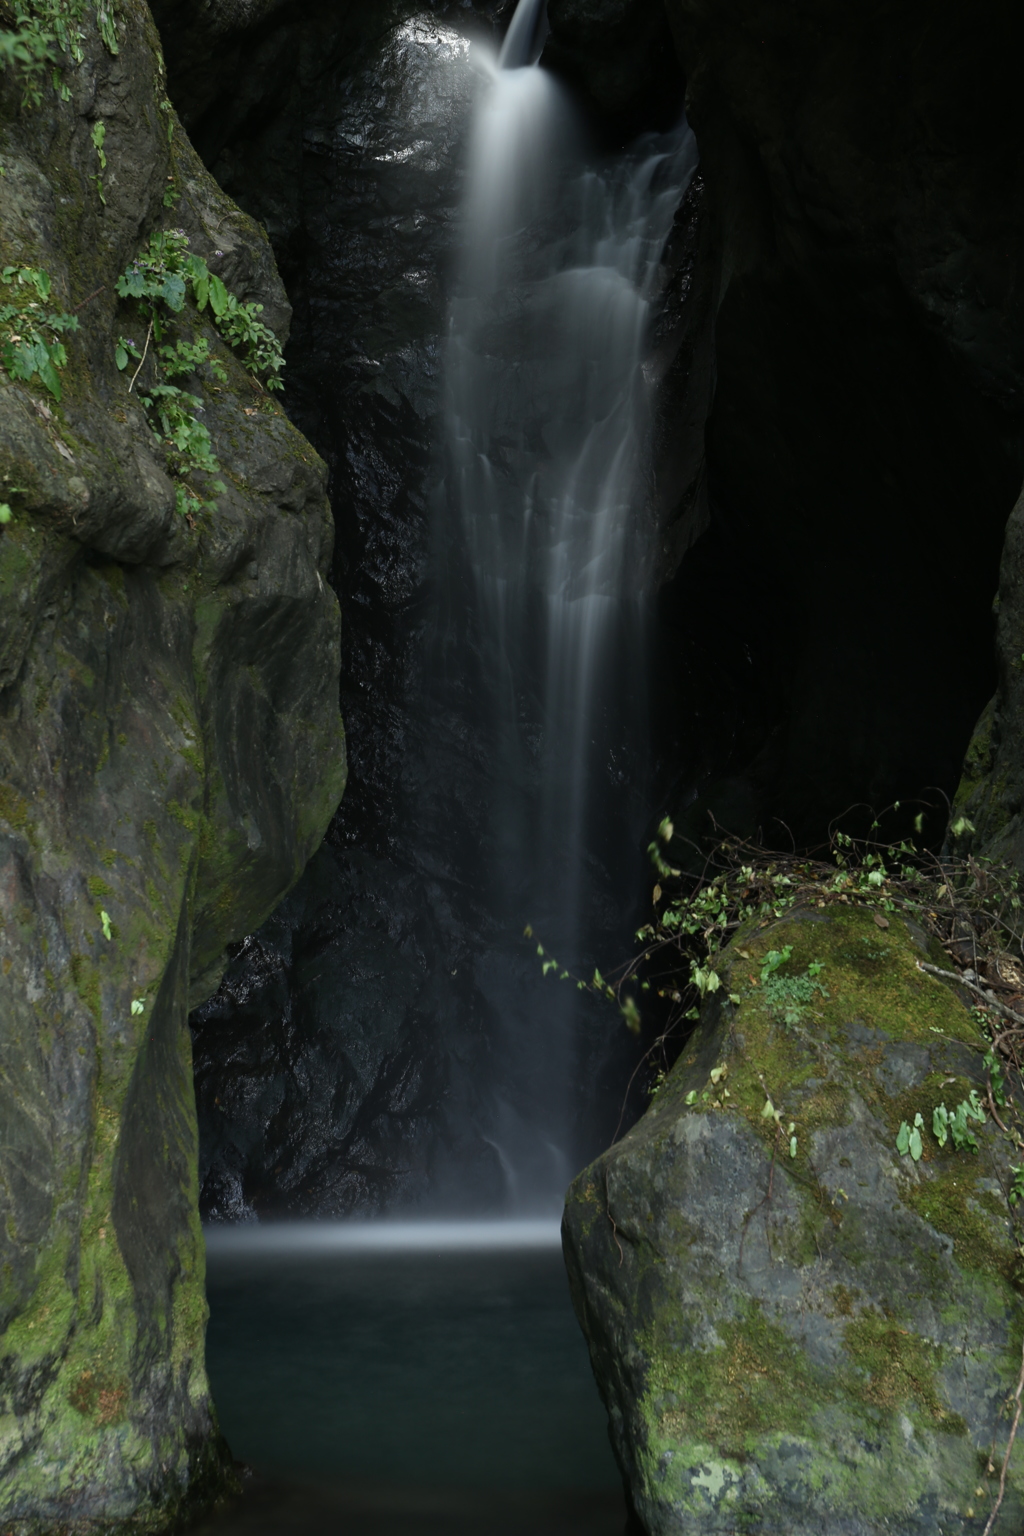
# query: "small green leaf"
{"type": "Point", "coordinates": [691, 1097]}
{"type": "Point", "coordinates": [105, 924]}
{"type": "Point", "coordinates": [5, 512]}
{"type": "Point", "coordinates": [915, 1144]}
{"type": "Point", "coordinates": [138, 1006]}
{"type": "Point", "coordinates": [902, 1138]}
{"type": "Point", "coordinates": [792, 1146]}
{"type": "Point", "coordinates": [218, 296]}
{"type": "Point", "coordinates": [631, 1013]}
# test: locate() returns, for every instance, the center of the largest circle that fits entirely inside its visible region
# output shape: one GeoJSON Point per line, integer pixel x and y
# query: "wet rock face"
{"type": "Point", "coordinates": [813, 1335]}
{"type": "Point", "coordinates": [321, 1065]}
{"type": "Point", "coordinates": [619, 56]}
{"type": "Point", "coordinates": [346, 1063]}
{"type": "Point", "coordinates": [846, 244]}
{"type": "Point", "coordinates": [867, 218]}
{"type": "Point", "coordinates": [170, 754]}
{"type": "Point", "coordinates": [987, 809]}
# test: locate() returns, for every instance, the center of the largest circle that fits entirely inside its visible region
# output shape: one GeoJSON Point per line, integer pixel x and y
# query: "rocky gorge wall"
{"type": "Point", "coordinates": [838, 448]}
{"type": "Point", "coordinates": [171, 753]}
{"type": "Point", "coordinates": [347, 1062]}
{"type": "Point", "coordinates": [838, 403]}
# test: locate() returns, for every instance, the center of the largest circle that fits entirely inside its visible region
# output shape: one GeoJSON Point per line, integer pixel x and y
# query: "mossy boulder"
{"type": "Point", "coordinates": [796, 1328]}
{"type": "Point", "coordinates": [170, 754]}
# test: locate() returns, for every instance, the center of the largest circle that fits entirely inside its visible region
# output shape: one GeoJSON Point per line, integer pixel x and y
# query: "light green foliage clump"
{"type": "Point", "coordinates": [31, 329]}
{"type": "Point", "coordinates": [790, 995]}
{"type": "Point", "coordinates": [160, 281]}
{"type": "Point", "coordinates": [161, 278]}
{"type": "Point", "coordinates": [47, 36]}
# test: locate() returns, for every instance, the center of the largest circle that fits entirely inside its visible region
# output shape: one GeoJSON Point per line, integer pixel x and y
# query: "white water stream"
{"type": "Point", "coordinates": [548, 416]}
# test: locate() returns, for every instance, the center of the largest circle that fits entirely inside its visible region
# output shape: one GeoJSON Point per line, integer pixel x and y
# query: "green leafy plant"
{"type": "Point", "coordinates": [99, 134]}
{"type": "Point", "coordinates": [160, 281]}
{"type": "Point", "coordinates": [947, 1125]}
{"type": "Point", "coordinates": [30, 330]}
{"type": "Point", "coordinates": [790, 995]}
{"type": "Point", "coordinates": [161, 278]}
{"type": "Point", "coordinates": [48, 35]}
{"type": "Point", "coordinates": [954, 1127]}
{"type": "Point", "coordinates": [909, 1140]}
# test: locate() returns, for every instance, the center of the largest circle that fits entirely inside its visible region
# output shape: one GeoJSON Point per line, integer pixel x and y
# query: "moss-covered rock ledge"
{"type": "Point", "coordinates": [796, 1328]}
{"type": "Point", "coordinates": [170, 754]}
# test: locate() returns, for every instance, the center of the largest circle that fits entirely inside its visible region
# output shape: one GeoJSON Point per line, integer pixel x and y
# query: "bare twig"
{"type": "Point", "coordinates": [993, 1112]}
{"type": "Point", "coordinates": [1009, 1449]}
{"type": "Point", "coordinates": [962, 981]}
{"type": "Point", "coordinates": [94, 295]}
{"type": "Point", "coordinates": [142, 359]}
{"type": "Point", "coordinates": [611, 1218]}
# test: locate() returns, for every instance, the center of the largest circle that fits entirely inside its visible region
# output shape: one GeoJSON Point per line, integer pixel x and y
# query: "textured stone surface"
{"type": "Point", "coordinates": [170, 754]}
{"type": "Point", "coordinates": [820, 1344]}
{"type": "Point", "coordinates": [989, 801]}
{"type": "Point", "coordinates": [348, 1062]}
{"type": "Point", "coordinates": [865, 195]}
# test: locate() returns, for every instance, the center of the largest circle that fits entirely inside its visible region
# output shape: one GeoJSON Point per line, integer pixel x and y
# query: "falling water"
{"type": "Point", "coordinates": [548, 426]}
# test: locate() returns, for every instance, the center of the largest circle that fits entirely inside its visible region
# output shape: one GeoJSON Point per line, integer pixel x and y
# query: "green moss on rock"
{"type": "Point", "coordinates": [132, 786]}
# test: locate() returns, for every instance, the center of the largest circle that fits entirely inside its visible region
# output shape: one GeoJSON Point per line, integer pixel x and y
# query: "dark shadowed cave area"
{"type": "Point", "coordinates": [837, 447]}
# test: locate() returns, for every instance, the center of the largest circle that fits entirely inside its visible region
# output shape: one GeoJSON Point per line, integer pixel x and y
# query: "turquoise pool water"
{"type": "Point", "coordinates": [405, 1392]}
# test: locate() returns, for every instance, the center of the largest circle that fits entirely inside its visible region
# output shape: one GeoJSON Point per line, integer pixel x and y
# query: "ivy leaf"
{"type": "Point", "coordinates": [173, 292]}
{"type": "Point", "coordinates": [132, 284]}
{"type": "Point", "coordinates": [49, 375]}
{"type": "Point", "coordinates": [218, 296]}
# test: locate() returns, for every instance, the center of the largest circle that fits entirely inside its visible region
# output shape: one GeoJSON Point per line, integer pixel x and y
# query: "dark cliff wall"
{"type": "Point", "coordinates": [347, 1060]}
{"type": "Point", "coordinates": [170, 754]}
{"type": "Point", "coordinates": [864, 446]}
{"type": "Point", "coordinates": [829, 641]}
{"type": "Point", "coordinates": [838, 418]}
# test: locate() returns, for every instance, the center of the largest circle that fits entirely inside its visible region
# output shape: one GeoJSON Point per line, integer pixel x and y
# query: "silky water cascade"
{"type": "Point", "coordinates": [548, 435]}
{"type": "Point", "coordinates": [428, 1374]}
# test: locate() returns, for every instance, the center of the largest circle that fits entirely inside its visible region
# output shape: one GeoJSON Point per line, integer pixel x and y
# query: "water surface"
{"type": "Point", "coordinates": [401, 1391]}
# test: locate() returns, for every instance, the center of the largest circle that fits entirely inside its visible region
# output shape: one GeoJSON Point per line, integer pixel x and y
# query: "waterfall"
{"type": "Point", "coordinates": [547, 439]}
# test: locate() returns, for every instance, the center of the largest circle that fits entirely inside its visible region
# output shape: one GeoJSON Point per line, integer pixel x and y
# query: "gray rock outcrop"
{"type": "Point", "coordinates": [170, 754]}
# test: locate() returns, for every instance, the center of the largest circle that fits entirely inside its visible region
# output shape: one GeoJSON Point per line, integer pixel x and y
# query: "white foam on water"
{"type": "Point", "coordinates": [228, 1239]}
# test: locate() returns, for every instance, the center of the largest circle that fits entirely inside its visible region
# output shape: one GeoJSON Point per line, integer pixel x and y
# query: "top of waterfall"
{"type": "Point", "coordinates": [524, 40]}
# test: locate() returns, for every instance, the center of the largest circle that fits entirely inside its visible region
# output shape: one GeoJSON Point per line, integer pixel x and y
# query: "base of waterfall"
{"type": "Point", "coordinates": [409, 1390]}
{"type": "Point", "coordinates": [351, 1237]}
